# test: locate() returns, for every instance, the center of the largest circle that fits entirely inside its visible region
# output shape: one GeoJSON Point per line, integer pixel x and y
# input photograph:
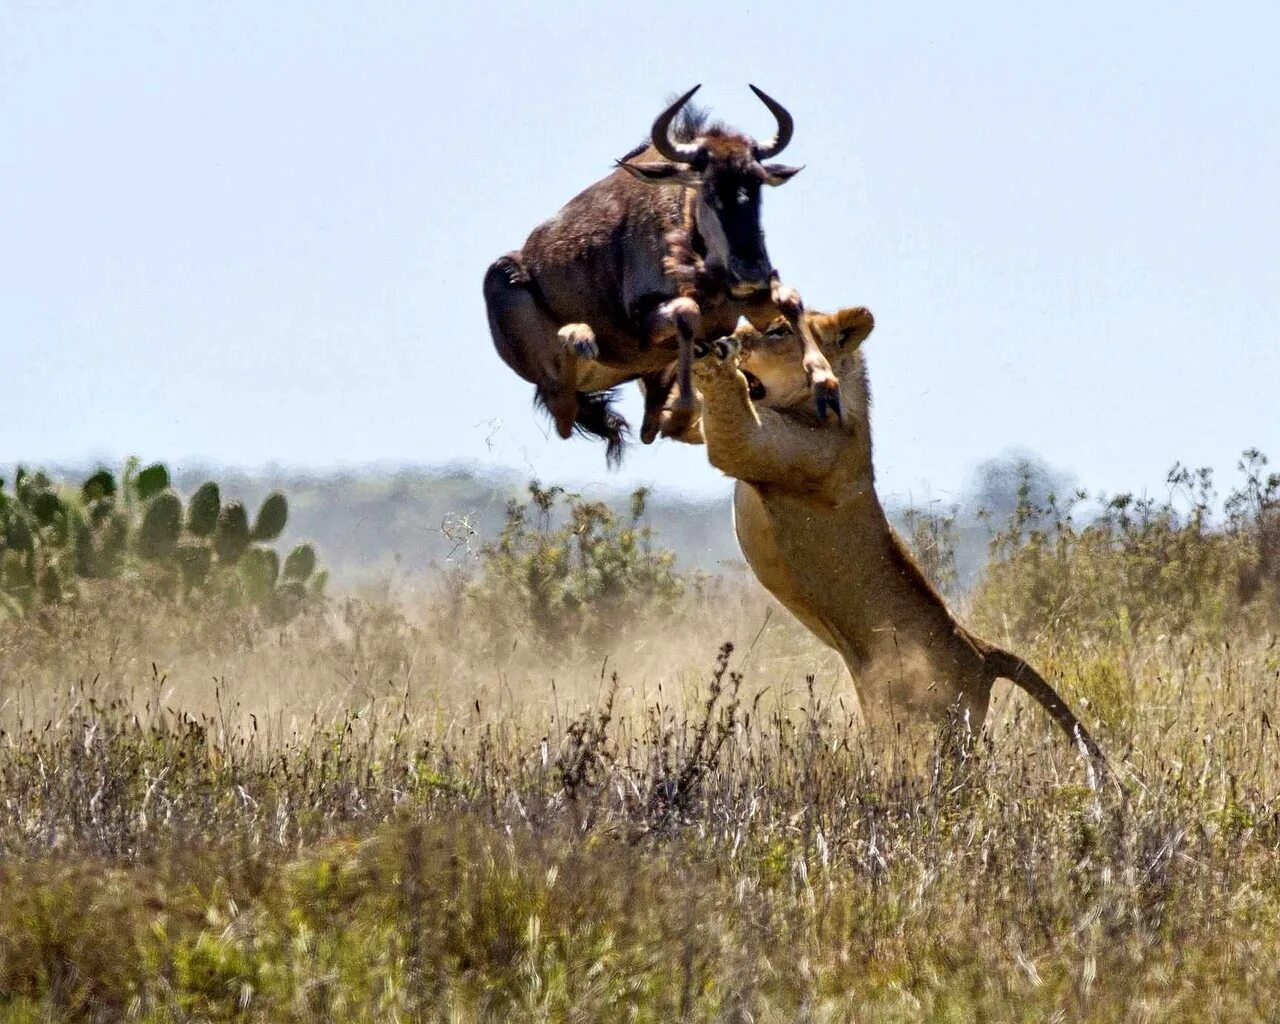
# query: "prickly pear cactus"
{"type": "Point", "coordinates": [101, 485]}
{"type": "Point", "coordinates": [272, 517]}
{"type": "Point", "coordinates": [203, 509]}
{"type": "Point", "coordinates": [151, 481]}
{"type": "Point", "coordinates": [161, 526]}
{"type": "Point", "coordinates": [259, 570]}
{"type": "Point", "coordinates": [232, 535]}
{"type": "Point", "coordinates": [194, 561]}
{"type": "Point", "coordinates": [51, 584]}
{"type": "Point", "coordinates": [134, 525]}
{"type": "Point", "coordinates": [300, 563]}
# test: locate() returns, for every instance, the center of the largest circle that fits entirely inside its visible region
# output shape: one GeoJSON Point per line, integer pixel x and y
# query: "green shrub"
{"type": "Point", "coordinates": [1139, 567]}
{"type": "Point", "coordinates": [585, 577]}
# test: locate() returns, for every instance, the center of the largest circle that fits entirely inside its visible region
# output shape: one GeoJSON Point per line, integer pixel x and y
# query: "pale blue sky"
{"type": "Point", "coordinates": [251, 233]}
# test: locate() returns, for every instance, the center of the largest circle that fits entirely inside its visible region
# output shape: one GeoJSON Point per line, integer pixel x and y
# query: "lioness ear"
{"type": "Point", "coordinates": [779, 174]}
{"type": "Point", "coordinates": [848, 328]}
{"type": "Point", "coordinates": [853, 324]}
{"type": "Point", "coordinates": [660, 172]}
{"type": "Point", "coordinates": [825, 326]}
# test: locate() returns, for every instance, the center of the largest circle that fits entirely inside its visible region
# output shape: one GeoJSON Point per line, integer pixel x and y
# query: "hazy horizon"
{"type": "Point", "coordinates": [245, 235]}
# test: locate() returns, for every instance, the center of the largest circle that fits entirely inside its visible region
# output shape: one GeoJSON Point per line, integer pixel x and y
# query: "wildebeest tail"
{"type": "Point", "coordinates": [596, 416]}
{"type": "Point", "coordinates": [1009, 666]}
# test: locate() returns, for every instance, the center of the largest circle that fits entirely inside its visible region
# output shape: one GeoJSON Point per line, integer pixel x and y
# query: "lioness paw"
{"type": "Point", "coordinates": [723, 349]}
{"type": "Point", "coordinates": [726, 348]}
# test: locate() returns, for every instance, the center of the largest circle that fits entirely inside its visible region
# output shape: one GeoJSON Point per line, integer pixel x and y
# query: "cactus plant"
{"type": "Point", "coordinates": [259, 570]}
{"type": "Point", "coordinates": [161, 526]}
{"type": "Point", "coordinates": [272, 517]}
{"type": "Point", "coordinates": [203, 509]}
{"type": "Point", "coordinates": [50, 584]}
{"type": "Point", "coordinates": [300, 563]}
{"type": "Point", "coordinates": [19, 536]}
{"type": "Point", "coordinates": [232, 535]}
{"type": "Point", "coordinates": [151, 481]}
{"type": "Point", "coordinates": [101, 485]}
{"type": "Point", "coordinates": [136, 524]}
{"type": "Point", "coordinates": [194, 562]}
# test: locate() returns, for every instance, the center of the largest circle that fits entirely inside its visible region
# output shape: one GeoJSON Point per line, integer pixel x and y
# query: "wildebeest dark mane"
{"type": "Point", "coordinates": [691, 122]}
{"type": "Point", "coordinates": [694, 120]}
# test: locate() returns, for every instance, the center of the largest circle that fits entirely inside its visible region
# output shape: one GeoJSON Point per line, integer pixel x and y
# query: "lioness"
{"type": "Point", "coordinates": [813, 530]}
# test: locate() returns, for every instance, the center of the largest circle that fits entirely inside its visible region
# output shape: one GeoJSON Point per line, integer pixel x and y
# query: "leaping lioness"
{"type": "Point", "coordinates": [813, 530]}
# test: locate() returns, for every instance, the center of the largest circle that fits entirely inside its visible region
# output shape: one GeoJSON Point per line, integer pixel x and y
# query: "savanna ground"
{"type": "Point", "coordinates": [544, 790]}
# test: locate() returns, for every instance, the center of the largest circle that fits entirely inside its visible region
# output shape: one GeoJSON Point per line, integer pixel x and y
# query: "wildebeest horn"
{"type": "Point", "coordinates": [680, 152]}
{"type": "Point", "coordinates": [786, 126]}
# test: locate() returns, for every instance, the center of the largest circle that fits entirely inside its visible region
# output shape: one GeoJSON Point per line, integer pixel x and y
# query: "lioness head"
{"type": "Point", "coordinates": [771, 361]}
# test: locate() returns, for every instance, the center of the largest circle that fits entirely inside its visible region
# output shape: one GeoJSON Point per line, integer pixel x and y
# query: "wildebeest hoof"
{"type": "Point", "coordinates": [677, 420]}
{"type": "Point", "coordinates": [788, 301]}
{"type": "Point", "coordinates": [827, 397]}
{"type": "Point", "coordinates": [581, 340]}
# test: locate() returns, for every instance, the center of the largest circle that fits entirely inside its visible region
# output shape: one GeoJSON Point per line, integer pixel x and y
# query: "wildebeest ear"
{"type": "Point", "coordinates": [661, 172]}
{"type": "Point", "coordinates": [779, 174]}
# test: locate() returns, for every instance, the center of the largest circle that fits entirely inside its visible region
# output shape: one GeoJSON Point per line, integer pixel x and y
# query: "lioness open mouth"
{"type": "Point", "coordinates": [754, 388]}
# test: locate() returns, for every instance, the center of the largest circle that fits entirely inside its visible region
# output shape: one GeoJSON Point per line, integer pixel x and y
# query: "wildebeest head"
{"type": "Point", "coordinates": [726, 169]}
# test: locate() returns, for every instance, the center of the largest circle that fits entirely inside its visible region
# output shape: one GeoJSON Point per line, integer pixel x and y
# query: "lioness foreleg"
{"type": "Point", "coordinates": [758, 445]}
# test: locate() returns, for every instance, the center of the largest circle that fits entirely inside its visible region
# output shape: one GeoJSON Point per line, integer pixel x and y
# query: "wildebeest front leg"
{"type": "Point", "coordinates": [825, 384]}
{"type": "Point", "coordinates": [579, 340]}
{"type": "Point", "coordinates": [684, 317]}
{"type": "Point", "coordinates": [657, 388]}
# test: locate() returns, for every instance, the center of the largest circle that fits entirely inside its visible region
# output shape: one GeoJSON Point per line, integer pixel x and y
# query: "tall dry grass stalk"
{"type": "Point", "coordinates": [378, 813]}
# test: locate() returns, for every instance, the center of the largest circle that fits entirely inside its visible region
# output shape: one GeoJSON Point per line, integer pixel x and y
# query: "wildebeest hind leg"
{"type": "Point", "coordinates": [528, 341]}
{"type": "Point", "coordinates": [531, 342]}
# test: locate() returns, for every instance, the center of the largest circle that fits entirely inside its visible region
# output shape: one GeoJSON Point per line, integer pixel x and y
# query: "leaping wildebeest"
{"type": "Point", "coordinates": [665, 252]}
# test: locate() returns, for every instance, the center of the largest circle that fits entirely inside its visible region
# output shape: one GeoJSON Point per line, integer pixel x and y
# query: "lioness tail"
{"type": "Point", "coordinates": [1007, 665]}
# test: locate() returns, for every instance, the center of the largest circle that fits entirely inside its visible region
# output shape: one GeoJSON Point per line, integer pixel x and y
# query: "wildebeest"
{"type": "Point", "coordinates": [665, 251]}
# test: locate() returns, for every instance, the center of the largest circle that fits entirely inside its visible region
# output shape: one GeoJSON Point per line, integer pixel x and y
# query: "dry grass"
{"type": "Point", "coordinates": [486, 803]}
{"type": "Point", "coordinates": [367, 817]}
